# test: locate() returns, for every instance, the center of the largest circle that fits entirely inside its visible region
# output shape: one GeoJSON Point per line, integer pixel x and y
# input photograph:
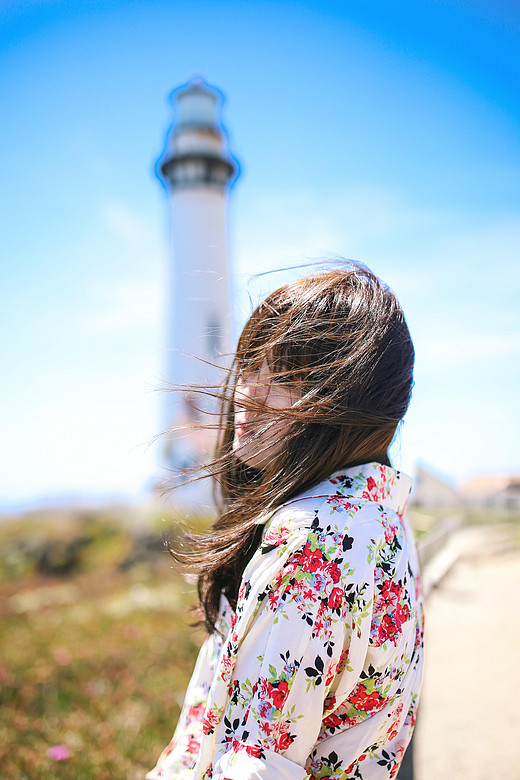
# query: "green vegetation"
{"type": "Point", "coordinates": [95, 659]}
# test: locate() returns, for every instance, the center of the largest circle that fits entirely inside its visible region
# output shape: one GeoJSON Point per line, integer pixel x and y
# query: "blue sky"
{"type": "Point", "coordinates": [384, 132]}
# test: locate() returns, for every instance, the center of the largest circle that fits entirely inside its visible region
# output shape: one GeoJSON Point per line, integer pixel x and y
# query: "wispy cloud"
{"type": "Point", "coordinates": [125, 223]}
{"type": "Point", "coordinates": [123, 305]}
{"type": "Point", "coordinates": [467, 347]}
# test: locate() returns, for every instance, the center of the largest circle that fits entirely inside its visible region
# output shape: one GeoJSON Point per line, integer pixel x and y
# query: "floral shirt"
{"type": "Point", "coordinates": [317, 673]}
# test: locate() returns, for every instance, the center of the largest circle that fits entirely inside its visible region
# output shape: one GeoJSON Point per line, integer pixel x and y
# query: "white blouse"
{"type": "Point", "coordinates": [317, 674]}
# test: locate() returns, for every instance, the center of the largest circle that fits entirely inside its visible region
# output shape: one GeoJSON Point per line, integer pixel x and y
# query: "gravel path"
{"type": "Point", "coordinates": [469, 719]}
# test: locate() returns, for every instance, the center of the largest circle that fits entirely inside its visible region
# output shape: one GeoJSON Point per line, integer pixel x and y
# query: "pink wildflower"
{"type": "Point", "coordinates": [58, 753]}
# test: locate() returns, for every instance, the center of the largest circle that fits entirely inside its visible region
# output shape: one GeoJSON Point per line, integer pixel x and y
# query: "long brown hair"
{"type": "Point", "coordinates": [338, 338]}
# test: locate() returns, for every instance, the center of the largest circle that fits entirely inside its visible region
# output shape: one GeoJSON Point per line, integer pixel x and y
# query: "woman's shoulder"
{"type": "Point", "coordinates": [326, 538]}
{"type": "Point", "coordinates": [368, 495]}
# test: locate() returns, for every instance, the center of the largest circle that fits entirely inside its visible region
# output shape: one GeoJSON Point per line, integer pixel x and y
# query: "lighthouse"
{"type": "Point", "coordinates": [198, 170]}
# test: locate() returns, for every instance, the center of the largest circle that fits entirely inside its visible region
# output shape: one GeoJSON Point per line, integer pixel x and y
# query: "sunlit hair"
{"type": "Point", "coordinates": [338, 338]}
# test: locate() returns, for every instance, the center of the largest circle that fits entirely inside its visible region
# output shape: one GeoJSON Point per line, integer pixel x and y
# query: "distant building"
{"type": "Point", "coordinates": [198, 170]}
{"type": "Point", "coordinates": [430, 490]}
{"type": "Point", "coordinates": [498, 491]}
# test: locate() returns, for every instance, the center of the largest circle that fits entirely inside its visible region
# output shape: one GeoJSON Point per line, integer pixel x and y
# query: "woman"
{"type": "Point", "coordinates": [308, 581]}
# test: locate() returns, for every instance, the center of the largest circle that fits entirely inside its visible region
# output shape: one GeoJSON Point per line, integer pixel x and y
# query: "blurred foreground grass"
{"type": "Point", "coordinates": [96, 659]}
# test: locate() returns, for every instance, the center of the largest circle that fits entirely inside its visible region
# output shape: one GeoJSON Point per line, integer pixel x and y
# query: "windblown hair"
{"type": "Point", "coordinates": [338, 338]}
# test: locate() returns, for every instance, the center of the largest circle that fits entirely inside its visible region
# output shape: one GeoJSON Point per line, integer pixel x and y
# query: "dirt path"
{"type": "Point", "coordinates": [469, 720]}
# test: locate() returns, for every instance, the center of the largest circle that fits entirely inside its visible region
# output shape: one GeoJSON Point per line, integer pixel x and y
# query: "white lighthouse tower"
{"type": "Point", "coordinates": [198, 170]}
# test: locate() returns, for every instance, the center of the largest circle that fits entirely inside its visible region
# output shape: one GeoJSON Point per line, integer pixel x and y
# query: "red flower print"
{"type": "Point", "coordinates": [265, 727]}
{"type": "Point", "coordinates": [401, 615]}
{"type": "Point", "coordinates": [264, 691]}
{"type": "Point", "coordinates": [228, 664]}
{"type": "Point", "coordinates": [390, 594]}
{"type": "Point", "coordinates": [193, 747]}
{"type": "Point", "coordinates": [333, 571]}
{"type": "Point", "coordinates": [195, 712]}
{"type": "Point", "coordinates": [331, 671]}
{"type": "Point", "coordinates": [336, 598]}
{"type": "Point", "coordinates": [274, 694]}
{"type": "Point", "coordinates": [210, 720]}
{"type": "Point", "coordinates": [390, 534]}
{"type": "Point", "coordinates": [332, 721]}
{"type": "Point", "coordinates": [311, 560]}
{"type": "Point", "coordinates": [364, 701]}
{"type": "Point", "coordinates": [236, 745]}
{"type": "Point", "coordinates": [168, 749]}
{"type": "Point", "coordinates": [283, 742]}
{"type": "Point", "coordinates": [343, 660]}
{"type": "Point", "coordinates": [387, 629]}
{"type": "Point", "coordinates": [276, 535]}
{"type": "Point", "coordinates": [254, 750]}
{"type": "Point", "coordinates": [339, 501]}
{"type": "Point", "coordinates": [282, 738]}
{"type": "Point", "coordinates": [314, 561]}
{"type": "Point", "coordinates": [371, 483]}
{"type": "Point", "coordinates": [329, 704]}
{"type": "Point", "coordinates": [279, 694]}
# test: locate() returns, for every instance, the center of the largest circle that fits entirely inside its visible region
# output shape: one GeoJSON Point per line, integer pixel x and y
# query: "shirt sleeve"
{"type": "Point", "coordinates": [306, 646]}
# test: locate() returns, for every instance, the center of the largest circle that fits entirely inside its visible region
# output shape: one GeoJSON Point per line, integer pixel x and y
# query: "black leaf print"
{"type": "Point", "coordinates": [347, 542]}
{"type": "Point", "coordinates": [332, 761]}
{"type": "Point", "coordinates": [310, 672]}
{"type": "Point", "coordinates": [319, 663]}
{"type": "Point", "coordinates": [264, 549]}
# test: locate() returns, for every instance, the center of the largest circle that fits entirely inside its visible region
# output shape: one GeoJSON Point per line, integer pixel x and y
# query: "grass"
{"type": "Point", "coordinates": [96, 661]}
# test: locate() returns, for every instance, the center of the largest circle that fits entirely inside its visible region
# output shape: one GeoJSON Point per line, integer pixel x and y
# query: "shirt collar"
{"type": "Point", "coordinates": [369, 482]}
